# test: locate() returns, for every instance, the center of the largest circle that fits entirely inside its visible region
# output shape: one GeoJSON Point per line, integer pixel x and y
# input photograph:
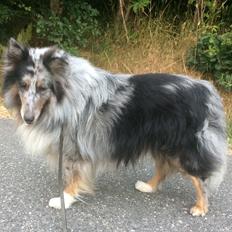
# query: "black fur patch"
{"type": "Point", "coordinates": [55, 65]}
{"type": "Point", "coordinates": [16, 53]}
{"type": "Point", "coordinates": [58, 90]}
{"type": "Point", "coordinates": [164, 121]}
{"type": "Point", "coordinates": [18, 59]}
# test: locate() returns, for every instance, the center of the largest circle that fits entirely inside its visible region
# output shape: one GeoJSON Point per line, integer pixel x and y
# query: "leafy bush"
{"type": "Point", "coordinates": [25, 35]}
{"type": "Point", "coordinates": [225, 80]}
{"type": "Point", "coordinates": [5, 14]}
{"type": "Point", "coordinates": [73, 28]}
{"type": "Point", "coordinates": [213, 54]}
{"type": "Point", "coordinates": [139, 5]}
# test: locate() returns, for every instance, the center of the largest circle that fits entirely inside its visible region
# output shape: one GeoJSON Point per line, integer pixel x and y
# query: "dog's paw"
{"type": "Point", "coordinates": [143, 187]}
{"type": "Point", "coordinates": [198, 211]}
{"type": "Point", "coordinates": [56, 203]}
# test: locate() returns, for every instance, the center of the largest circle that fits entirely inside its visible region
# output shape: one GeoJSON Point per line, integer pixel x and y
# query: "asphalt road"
{"type": "Point", "coordinates": [27, 184]}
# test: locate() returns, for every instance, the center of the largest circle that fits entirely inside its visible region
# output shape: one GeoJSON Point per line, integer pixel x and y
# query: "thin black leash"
{"type": "Point", "coordinates": [60, 180]}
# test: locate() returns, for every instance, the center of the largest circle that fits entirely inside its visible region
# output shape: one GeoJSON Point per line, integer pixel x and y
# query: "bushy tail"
{"type": "Point", "coordinates": [214, 144]}
{"type": "Point", "coordinates": [206, 158]}
{"type": "Point", "coordinates": [214, 180]}
{"type": "Point", "coordinates": [213, 137]}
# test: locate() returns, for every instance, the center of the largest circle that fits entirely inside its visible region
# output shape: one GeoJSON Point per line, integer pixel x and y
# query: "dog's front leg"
{"type": "Point", "coordinates": [70, 194]}
{"type": "Point", "coordinates": [78, 178]}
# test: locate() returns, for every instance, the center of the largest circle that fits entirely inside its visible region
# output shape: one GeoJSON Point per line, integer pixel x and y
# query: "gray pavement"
{"type": "Point", "coordinates": [27, 184]}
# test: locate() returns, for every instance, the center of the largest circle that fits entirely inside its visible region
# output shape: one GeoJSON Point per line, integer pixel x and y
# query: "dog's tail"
{"type": "Point", "coordinates": [207, 158]}
{"type": "Point", "coordinates": [214, 180]}
{"type": "Point", "coordinates": [214, 138]}
{"type": "Point", "coordinates": [207, 155]}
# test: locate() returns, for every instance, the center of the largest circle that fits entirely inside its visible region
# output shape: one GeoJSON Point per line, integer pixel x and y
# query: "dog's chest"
{"type": "Point", "coordinates": [37, 142]}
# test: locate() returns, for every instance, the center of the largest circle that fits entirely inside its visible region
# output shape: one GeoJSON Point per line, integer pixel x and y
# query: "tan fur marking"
{"type": "Point", "coordinates": [72, 187]}
{"type": "Point", "coordinates": [13, 91]}
{"type": "Point", "coordinates": [201, 206]}
{"type": "Point", "coordinates": [78, 177]}
{"type": "Point", "coordinates": [77, 185]}
{"type": "Point", "coordinates": [40, 83]}
{"type": "Point", "coordinates": [162, 170]}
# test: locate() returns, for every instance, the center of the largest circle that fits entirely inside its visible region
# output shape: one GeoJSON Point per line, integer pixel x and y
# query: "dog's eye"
{"type": "Point", "coordinates": [23, 85]}
{"type": "Point", "coordinates": [41, 88]}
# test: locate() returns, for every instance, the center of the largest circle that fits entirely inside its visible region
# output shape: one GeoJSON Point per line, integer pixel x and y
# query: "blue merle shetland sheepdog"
{"type": "Point", "coordinates": [115, 119]}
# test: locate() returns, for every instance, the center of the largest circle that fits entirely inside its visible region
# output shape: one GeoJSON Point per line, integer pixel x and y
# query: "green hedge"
{"type": "Point", "coordinates": [213, 54]}
{"type": "Point", "coordinates": [74, 28]}
{"type": "Point", "coordinates": [69, 24]}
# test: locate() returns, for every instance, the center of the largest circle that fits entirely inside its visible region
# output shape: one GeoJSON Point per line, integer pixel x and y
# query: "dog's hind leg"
{"type": "Point", "coordinates": [201, 206]}
{"type": "Point", "coordinates": [162, 169]}
{"type": "Point", "coordinates": [78, 177]}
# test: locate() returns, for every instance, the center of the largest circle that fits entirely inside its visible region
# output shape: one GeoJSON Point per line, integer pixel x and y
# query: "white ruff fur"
{"type": "Point", "coordinates": [36, 141]}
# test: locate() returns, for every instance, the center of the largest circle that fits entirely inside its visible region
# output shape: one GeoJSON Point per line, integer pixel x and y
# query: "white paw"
{"type": "Point", "coordinates": [198, 211]}
{"type": "Point", "coordinates": [56, 203]}
{"type": "Point", "coordinates": [143, 187]}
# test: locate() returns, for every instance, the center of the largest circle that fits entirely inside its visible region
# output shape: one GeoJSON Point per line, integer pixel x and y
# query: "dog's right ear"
{"type": "Point", "coordinates": [54, 62]}
{"type": "Point", "coordinates": [15, 52]}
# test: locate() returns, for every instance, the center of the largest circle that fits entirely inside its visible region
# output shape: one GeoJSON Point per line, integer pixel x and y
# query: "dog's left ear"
{"type": "Point", "coordinates": [15, 52]}
{"type": "Point", "coordinates": [55, 62]}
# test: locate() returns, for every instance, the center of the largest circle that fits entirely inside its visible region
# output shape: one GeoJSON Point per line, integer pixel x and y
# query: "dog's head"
{"type": "Point", "coordinates": [32, 77]}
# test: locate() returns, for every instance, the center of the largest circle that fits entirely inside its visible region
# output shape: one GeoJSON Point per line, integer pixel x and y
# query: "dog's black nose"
{"type": "Point", "coordinates": [29, 119]}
